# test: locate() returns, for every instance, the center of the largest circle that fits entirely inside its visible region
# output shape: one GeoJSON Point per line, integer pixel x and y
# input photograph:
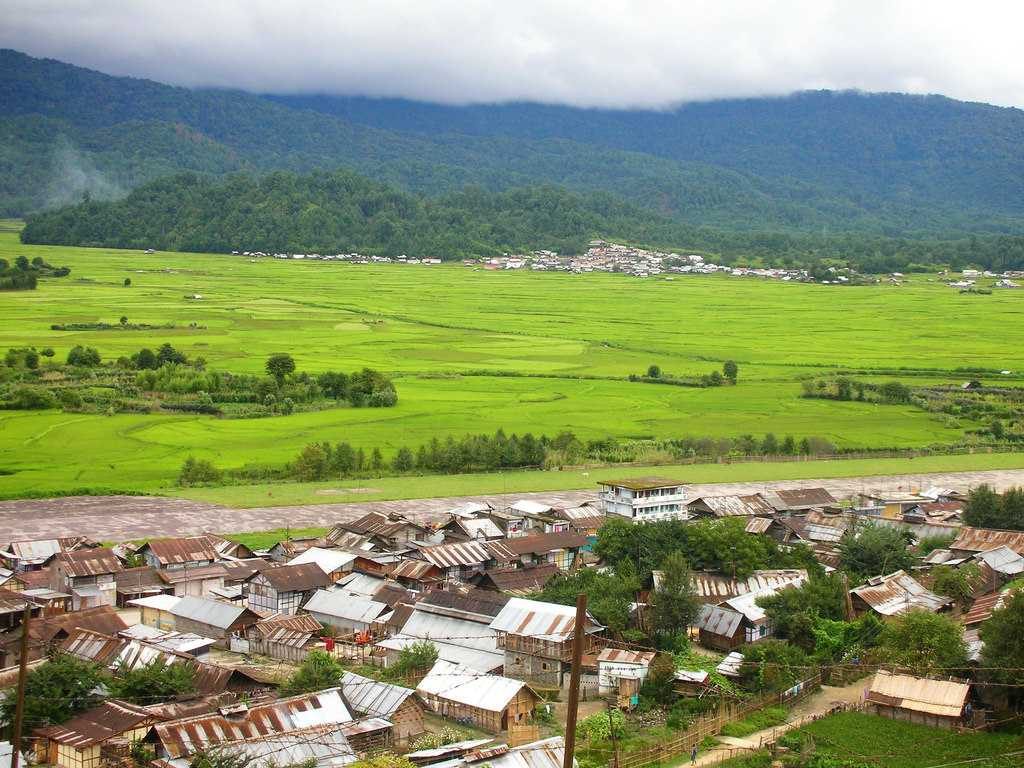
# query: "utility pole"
{"type": "Point", "coordinates": [19, 705]}
{"type": "Point", "coordinates": [579, 635]}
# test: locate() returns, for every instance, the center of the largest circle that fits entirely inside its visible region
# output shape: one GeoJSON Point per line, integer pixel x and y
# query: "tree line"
{"type": "Point", "coordinates": [342, 212]}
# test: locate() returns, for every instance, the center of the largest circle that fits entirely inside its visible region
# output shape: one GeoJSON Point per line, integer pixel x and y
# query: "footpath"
{"type": "Point", "coordinates": [808, 709]}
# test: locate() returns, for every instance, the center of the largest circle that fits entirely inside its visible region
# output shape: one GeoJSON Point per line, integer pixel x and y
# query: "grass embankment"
{"type": "Point", "coordinates": [438, 328]}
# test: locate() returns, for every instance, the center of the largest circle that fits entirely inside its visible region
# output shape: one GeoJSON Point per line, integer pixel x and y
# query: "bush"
{"type": "Point", "coordinates": [85, 357]}
{"type": "Point", "coordinates": [603, 726]}
{"type": "Point", "coordinates": [31, 399]}
{"type": "Point", "coordinates": [197, 472]}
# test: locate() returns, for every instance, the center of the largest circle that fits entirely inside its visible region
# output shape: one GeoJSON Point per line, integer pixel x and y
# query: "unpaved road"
{"type": "Point", "coordinates": [120, 518]}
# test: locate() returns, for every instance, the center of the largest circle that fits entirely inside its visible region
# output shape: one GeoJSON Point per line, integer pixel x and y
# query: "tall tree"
{"type": "Point", "coordinates": [1002, 657]}
{"type": "Point", "coordinates": [875, 550]}
{"type": "Point", "coordinates": [926, 643]}
{"type": "Point", "coordinates": [280, 366]}
{"type": "Point", "coordinates": [674, 602]}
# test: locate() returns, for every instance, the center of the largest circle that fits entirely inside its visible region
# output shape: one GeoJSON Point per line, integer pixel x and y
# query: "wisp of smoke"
{"type": "Point", "coordinates": [74, 175]}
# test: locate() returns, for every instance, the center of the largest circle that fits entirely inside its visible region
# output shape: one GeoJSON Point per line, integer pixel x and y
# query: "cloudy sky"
{"type": "Point", "coordinates": [582, 52]}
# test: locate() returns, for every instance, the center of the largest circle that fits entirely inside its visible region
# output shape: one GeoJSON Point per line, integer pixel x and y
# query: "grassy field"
{"type": "Point", "coordinates": [879, 741]}
{"type": "Point", "coordinates": [433, 326]}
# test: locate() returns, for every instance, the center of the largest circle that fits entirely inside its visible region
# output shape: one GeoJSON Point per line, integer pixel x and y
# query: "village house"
{"type": "Point", "coordinates": [334, 562]}
{"type": "Point", "coordinates": [287, 549]}
{"type": "Point", "coordinates": [180, 738]}
{"type": "Point", "coordinates": [488, 702]}
{"type": "Point", "coordinates": [615, 665]}
{"type": "Point", "coordinates": [34, 555]}
{"type": "Point", "coordinates": [324, 746]}
{"type": "Point", "coordinates": [585, 519]}
{"type": "Point", "coordinates": [285, 637]}
{"type": "Point", "coordinates": [465, 526]}
{"type": "Point", "coordinates": [561, 549]}
{"type": "Point", "coordinates": [418, 575]}
{"type": "Point", "coordinates": [936, 512]}
{"type": "Point", "coordinates": [895, 594]}
{"type": "Point", "coordinates": [212, 618]}
{"type": "Point", "coordinates": [715, 588]}
{"type": "Point", "coordinates": [457, 622]}
{"type": "Point", "coordinates": [537, 639]}
{"type": "Point", "coordinates": [142, 581]}
{"type": "Point", "coordinates": [188, 552]}
{"type": "Point", "coordinates": [753, 505]}
{"type": "Point", "coordinates": [936, 703]}
{"type": "Point", "coordinates": [720, 628]}
{"type": "Point", "coordinates": [155, 610]}
{"type": "Point", "coordinates": [971, 540]}
{"type": "Point", "coordinates": [284, 589]}
{"type": "Point", "coordinates": [392, 531]}
{"type": "Point", "coordinates": [198, 581]}
{"type": "Point", "coordinates": [460, 560]}
{"type": "Point", "coordinates": [644, 498]}
{"type": "Point", "coordinates": [82, 741]}
{"type": "Point", "coordinates": [344, 612]}
{"type": "Point", "coordinates": [518, 582]}
{"type": "Point", "coordinates": [46, 633]}
{"type": "Point", "coordinates": [889, 507]}
{"type": "Point", "coordinates": [88, 575]}
{"type": "Point", "coordinates": [371, 698]}
{"type": "Point", "coordinates": [798, 500]}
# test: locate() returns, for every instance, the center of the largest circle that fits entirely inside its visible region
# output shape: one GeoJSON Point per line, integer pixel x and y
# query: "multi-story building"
{"type": "Point", "coordinates": [645, 499]}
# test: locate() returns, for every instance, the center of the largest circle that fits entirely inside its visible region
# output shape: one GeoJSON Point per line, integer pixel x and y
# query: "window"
{"type": "Point", "coordinates": [519, 660]}
{"type": "Point", "coordinates": [544, 666]}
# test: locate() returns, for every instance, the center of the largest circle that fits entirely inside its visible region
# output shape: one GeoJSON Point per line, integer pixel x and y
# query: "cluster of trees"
{"type": "Point", "coordinates": [24, 275]}
{"type": "Point", "coordinates": [987, 509]}
{"type": "Point", "coordinates": [654, 375]}
{"type": "Point", "coordinates": [66, 686]}
{"type": "Point", "coordinates": [470, 453]}
{"type": "Point", "coordinates": [872, 550]}
{"type": "Point", "coordinates": [712, 545]}
{"type": "Point", "coordinates": [845, 388]}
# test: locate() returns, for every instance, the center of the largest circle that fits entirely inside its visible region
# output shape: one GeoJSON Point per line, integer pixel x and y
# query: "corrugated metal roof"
{"type": "Point", "coordinates": [362, 583]}
{"type": "Point", "coordinates": [106, 721]}
{"type": "Point", "coordinates": [529, 507]}
{"type": "Point", "coordinates": [212, 612]}
{"type": "Point", "coordinates": [1003, 560]}
{"type": "Point", "coordinates": [758, 525]}
{"type": "Point", "coordinates": [622, 656]}
{"type": "Point", "coordinates": [210, 572]}
{"type": "Point", "coordinates": [543, 621]}
{"type": "Point", "coordinates": [464, 553]}
{"type": "Point", "coordinates": [349, 541]}
{"type": "Point", "coordinates": [733, 506]}
{"type": "Point", "coordinates": [295, 577]}
{"type": "Point", "coordinates": [372, 697]}
{"type": "Point", "coordinates": [424, 756]}
{"type": "Point", "coordinates": [715, 588]}
{"type": "Point", "coordinates": [469, 634]}
{"type": "Point", "coordinates": [329, 560]}
{"type": "Point", "coordinates": [344, 605]}
{"type": "Point", "coordinates": [699, 676]}
{"type": "Point", "coordinates": [326, 747]}
{"type": "Point", "coordinates": [156, 602]}
{"type": "Point", "coordinates": [467, 686]}
{"type": "Point", "coordinates": [982, 608]}
{"type": "Point", "coordinates": [415, 570]}
{"type": "Point", "coordinates": [747, 603]}
{"type": "Point", "coordinates": [188, 735]}
{"type": "Point", "coordinates": [186, 549]}
{"type": "Point", "coordinates": [520, 581]}
{"type": "Point", "coordinates": [540, 543]}
{"type": "Point", "coordinates": [898, 593]}
{"type": "Point", "coordinates": [547, 753]}
{"type": "Point", "coordinates": [472, 658]}
{"type": "Point", "coordinates": [731, 665]}
{"type": "Point", "coordinates": [801, 498]}
{"type": "Point", "coordinates": [935, 697]}
{"type": "Point", "coordinates": [982, 539]}
{"type": "Point", "coordinates": [90, 562]}
{"type": "Point", "coordinates": [474, 604]}
{"type": "Point", "coordinates": [718, 621]}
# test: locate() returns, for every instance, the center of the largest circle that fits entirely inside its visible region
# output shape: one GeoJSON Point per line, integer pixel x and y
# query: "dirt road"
{"type": "Point", "coordinates": [118, 518]}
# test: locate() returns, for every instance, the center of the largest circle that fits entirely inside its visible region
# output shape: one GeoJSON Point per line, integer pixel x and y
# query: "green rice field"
{"type": "Point", "coordinates": [473, 350]}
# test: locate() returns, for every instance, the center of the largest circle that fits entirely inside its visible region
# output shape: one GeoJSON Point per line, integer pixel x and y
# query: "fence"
{"type": "Point", "coordinates": [711, 725]}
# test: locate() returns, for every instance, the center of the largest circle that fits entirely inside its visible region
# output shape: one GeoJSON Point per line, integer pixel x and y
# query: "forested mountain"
{"type": "Point", "coordinates": [341, 212]}
{"type": "Point", "coordinates": [818, 162]}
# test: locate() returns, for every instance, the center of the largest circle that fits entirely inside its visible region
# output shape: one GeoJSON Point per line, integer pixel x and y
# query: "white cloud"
{"type": "Point", "coordinates": [584, 52]}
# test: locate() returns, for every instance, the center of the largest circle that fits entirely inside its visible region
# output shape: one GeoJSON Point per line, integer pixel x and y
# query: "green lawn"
{"type": "Point", "coordinates": [431, 326]}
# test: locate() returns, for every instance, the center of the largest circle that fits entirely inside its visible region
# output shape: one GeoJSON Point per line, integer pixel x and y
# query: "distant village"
{"type": "Point", "coordinates": [372, 591]}
{"type": "Point", "coordinates": [628, 260]}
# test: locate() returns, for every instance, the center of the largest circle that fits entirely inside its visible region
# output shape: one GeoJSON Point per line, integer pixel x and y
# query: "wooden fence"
{"type": "Point", "coordinates": [712, 725]}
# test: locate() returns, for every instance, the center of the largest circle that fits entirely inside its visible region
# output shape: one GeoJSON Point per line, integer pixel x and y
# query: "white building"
{"type": "Point", "coordinates": [645, 499]}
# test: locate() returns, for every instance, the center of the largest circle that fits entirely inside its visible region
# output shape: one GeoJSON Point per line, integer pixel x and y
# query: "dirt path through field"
{"type": "Point", "coordinates": [120, 518]}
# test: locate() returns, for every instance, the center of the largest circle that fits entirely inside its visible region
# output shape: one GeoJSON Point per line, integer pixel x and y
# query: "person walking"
{"type": "Point", "coordinates": [693, 755]}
